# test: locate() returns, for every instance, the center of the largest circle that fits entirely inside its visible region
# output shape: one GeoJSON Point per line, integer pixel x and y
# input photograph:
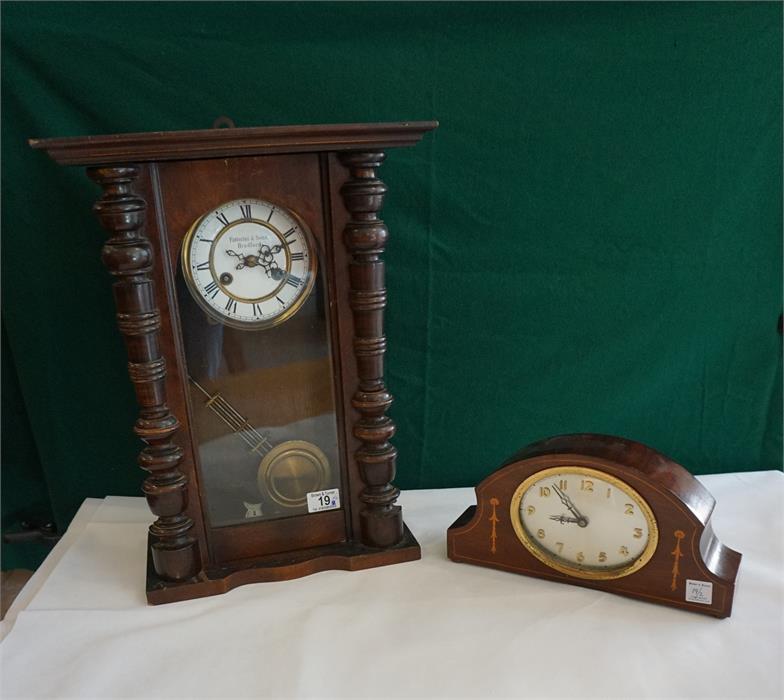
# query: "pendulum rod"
{"type": "Point", "coordinates": [240, 425]}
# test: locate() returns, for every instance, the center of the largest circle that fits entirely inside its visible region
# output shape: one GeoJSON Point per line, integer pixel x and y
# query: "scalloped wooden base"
{"type": "Point", "coordinates": [345, 556]}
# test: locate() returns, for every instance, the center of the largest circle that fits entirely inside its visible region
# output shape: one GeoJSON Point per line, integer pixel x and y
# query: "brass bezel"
{"type": "Point", "coordinates": [215, 314]}
{"type": "Point", "coordinates": [552, 560]}
{"type": "Point", "coordinates": [265, 483]}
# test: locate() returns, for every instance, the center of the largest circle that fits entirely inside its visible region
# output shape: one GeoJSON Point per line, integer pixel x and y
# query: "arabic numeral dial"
{"type": "Point", "coordinates": [584, 522]}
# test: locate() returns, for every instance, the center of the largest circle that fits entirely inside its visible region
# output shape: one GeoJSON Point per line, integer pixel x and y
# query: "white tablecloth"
{"type": "Point", "coordinates": [432, 628]}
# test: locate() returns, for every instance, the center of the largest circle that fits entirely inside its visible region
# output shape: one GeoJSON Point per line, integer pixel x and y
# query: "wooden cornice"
{"type": "Point", "coordinates": [226, 143]}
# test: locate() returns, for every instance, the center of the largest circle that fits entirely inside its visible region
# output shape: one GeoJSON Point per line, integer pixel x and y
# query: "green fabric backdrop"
{"type": "Point", "coordinates": [590, 242]}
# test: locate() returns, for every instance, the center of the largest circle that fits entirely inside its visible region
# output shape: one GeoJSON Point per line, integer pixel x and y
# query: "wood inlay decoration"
{"type": "Point", "coordinates": [683, 564]}
{"type": "Point", "coordinates": [128, 257]}
{"type": "Point", "coordinates": [366, 236]}
{"type": "Point", "coordinates": [677, 554]}
{"type": "Point", "coordinates": [494, 502]}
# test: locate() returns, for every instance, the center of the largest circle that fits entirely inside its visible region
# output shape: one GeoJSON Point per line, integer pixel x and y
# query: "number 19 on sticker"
{"type": "Point", "coordinates": [323, 500]}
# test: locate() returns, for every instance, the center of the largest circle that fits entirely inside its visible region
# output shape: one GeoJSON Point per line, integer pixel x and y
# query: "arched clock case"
{"type": "Point", "coordinates": [602, 512]}
{"type": "Point", "coordinates": [249, 286]}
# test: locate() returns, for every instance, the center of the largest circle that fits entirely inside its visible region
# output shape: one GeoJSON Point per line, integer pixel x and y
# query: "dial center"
{"type": "Point", "coordinates": [256, 253]}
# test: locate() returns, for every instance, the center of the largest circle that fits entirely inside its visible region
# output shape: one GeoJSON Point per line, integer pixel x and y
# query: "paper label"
{"type": "Point", "coordinates": [323, 500]}
{"type": "Point", "coordinates": [699, 591]}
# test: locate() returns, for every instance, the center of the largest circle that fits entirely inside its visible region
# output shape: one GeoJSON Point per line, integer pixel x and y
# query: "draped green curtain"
{"type": "Point", "coordinates": [590, 242]}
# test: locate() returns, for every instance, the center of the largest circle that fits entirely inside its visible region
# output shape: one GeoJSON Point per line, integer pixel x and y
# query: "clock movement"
{"type": "Point", "coordinates": [249, 286]}
{"type": "Point", "coordinates": [602, 512]}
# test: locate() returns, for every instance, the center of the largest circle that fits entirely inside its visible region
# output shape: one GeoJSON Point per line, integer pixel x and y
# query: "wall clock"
{"type": "Point", "coordinates": [249, 286]}
{"type": "Point", "coordinates": [602, 512]}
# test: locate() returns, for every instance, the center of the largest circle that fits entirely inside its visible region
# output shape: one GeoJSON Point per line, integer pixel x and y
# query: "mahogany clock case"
{"type": "Point", "coordinates": [687, 548]}
{"type": "Point", "coordinates": [185, 191]}
{"type": "Point", "coordinates": [155, 187]}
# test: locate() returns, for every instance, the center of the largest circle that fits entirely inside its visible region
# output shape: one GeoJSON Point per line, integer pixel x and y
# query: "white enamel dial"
{"type": "Point", "coordinates": [584, 522]}
{"type": "Point", "coordinates": [249, 263]}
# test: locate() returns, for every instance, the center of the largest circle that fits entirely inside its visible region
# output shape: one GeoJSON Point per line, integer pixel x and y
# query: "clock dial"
{"type": "Point", "coordinates": [249, 263]}
{"type": "Point", "coordinates": [584, 522]}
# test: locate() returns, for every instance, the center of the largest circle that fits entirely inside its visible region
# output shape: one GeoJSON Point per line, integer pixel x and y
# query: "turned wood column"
{"type": "Point", "coordinates": [129, 258]}
{"type": "Point", "coordinates": [365, 236]}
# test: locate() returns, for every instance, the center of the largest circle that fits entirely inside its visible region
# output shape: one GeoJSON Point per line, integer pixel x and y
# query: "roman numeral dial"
{"type": "Point", "coordinates": [249, 263]}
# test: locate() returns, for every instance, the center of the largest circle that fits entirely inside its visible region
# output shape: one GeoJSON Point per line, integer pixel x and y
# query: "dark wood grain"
{"type": "Point", "coordinates": [128, 257]}
{"type": "Point", "coordinates": [365, 235]}
{"type": "Point", "coordinates": [254, 540]}
{"type": "Point", "coordinates": [327, 176]}
{"type": "Point", "coordinates": [185, 190]}
{"type": "Point", "coordinates": [345, 556]}
{"type": "Point", "coordinates": [225, 143]}
{"type": "Point", "coordinates": [343, 328]}
{"type": "Point", "coordinates": [681, 505]}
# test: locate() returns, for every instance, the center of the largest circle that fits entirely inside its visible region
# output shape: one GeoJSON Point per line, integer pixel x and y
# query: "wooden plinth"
{"type": "Point", "coordinates": [344, 556]}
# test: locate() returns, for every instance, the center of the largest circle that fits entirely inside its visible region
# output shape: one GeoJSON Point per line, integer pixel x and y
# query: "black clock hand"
{"type": "Point", "coordinates": [582, 521]}
{"type": "Point", "coordinates": [267, 262]}
{"type": "Point", "coordinates": [242, 262]}
{"type": "Point", "coordinates": [265, 250]}
{"type": "Point", "coordinates": [564, 519]}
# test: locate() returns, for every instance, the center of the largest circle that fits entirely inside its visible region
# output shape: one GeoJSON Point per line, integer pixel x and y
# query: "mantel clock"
{"type": "Point", "coordinates": [604, 512]}
{"type": "Point", "coordinates": [249, 286]}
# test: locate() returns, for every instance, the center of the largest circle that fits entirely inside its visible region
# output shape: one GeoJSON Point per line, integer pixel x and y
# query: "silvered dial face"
{"type": "Point", "coordinates": [249, 263]}
{"type": "Point", "coordinates": [584, 522]}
